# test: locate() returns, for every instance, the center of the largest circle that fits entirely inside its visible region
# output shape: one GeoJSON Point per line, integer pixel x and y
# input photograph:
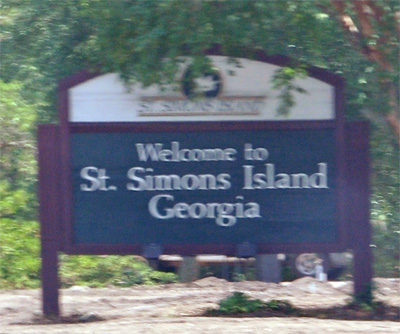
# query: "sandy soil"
{"type": "Point", "coordinates": [178, 309]}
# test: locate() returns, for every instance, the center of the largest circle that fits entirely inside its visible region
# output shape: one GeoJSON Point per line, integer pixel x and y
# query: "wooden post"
{"type": "Point", "coordinates": [358, 205]}
{"type": "Point", "coordinates": [50, 281]}
{"type": "Point", "coordinates": [49, 214]}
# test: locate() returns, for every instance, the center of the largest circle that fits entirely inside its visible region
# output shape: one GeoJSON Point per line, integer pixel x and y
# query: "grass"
{"type": "Point", "coordinates": [240, 305]}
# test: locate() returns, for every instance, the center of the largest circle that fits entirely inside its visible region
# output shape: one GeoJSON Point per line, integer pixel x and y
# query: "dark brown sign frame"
{"type": "Point", "coordinates": [55, 188]}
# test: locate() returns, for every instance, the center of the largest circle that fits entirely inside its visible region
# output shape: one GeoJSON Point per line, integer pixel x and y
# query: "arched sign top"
{"type": "Point", "coordinates": [231, 92]}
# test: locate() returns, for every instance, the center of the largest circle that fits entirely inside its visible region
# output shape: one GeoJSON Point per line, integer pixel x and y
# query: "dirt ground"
{"type": "Point", "coordinates": [178, 309]}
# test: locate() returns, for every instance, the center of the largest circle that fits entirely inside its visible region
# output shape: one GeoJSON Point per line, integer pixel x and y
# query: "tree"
{"type": "Point", "coordinates": [19, 267]}
{"type": "Point", "coordinates": [17, 154]}
{"type": "Point", "coordinates": [373, 28]}
{"type": "Point", "coordinates": [144, 40]}
{"type": "Point", "coordinates": [44, 41]}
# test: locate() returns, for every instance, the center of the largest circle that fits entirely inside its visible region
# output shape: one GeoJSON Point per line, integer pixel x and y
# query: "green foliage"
{"type": "Point", "coordinates": [17, 154]}
{"type": "Point", "coordinates": [385, 203]}
{"type": "Point", "coordinates": [144, 40]}
{"type": "Point", "coordinates": [160, 277]}
{"type": "Point", "coordinates": [19, 235]}
{"type": "Point", "coordinates": [12, 201]}
{"type": "Point", "coordinates": [365, 300]}
{"type": "Point", "coordinates": [20, 263]}
{"type": "Point", "coordinates": [239, 303]}
{"type": "Point", "coordinates": [19, 254]}
{"type": "Point", "coordinates": [288, 274]}
{"type": "Point", "coordinates": [280, 306]}
{"type": "Point", "coordinates": [101, 271]}
{"type": "Point", "coordinates": [283, 80]}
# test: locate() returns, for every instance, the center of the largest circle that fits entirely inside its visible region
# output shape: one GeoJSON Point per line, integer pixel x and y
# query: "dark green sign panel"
{"type": "Point", "coordinates": [201, 187]}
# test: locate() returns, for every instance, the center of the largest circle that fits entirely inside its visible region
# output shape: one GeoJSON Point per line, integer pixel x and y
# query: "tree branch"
{"type": "Point", "coordinates": [365, 11]}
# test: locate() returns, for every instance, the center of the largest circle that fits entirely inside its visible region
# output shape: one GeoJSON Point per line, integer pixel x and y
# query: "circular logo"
{"type": "Point", "coordinates": [206, 86]}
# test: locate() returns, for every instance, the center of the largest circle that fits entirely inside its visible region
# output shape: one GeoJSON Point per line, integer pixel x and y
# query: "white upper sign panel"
{"type": "Point", "coordinates": [229, 93]}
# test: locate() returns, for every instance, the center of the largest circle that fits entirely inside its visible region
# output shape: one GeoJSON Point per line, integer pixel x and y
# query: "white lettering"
{"type": "Point", "coordinates": [144, 181]}
{"type": "Point", "coordinates": [225, 214]}
{"type": "Point", "coordinates": [97, 178]}
{"type": "Point", "coordinates": [153, 209]}
{"type": "Point", "coordinates": [156, 152]}
{"type": "Point", "coordinates": [141, 184]}
{"type": "Point", "coordinates": [271, 180]}
{"type": "Point", "coordinates": [320, 180]}
{"type": "Point", "coordinates": [259, 153]}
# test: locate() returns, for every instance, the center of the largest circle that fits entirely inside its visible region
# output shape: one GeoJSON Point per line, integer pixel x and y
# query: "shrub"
{"type": "Point", "coordinates": [239, 303]}
{"type": "Point", "coordinates": [19, 254]}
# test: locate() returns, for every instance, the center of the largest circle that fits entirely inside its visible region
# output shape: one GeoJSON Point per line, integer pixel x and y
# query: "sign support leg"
{"type": "Point", "coordinates": [358, 208]}
{"type": "Point", "coordinates": [363, 273]}
{"type": "Point", "coordinates": [49, 212]}
{"type": "Point", "coordinates": [50, 280]}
